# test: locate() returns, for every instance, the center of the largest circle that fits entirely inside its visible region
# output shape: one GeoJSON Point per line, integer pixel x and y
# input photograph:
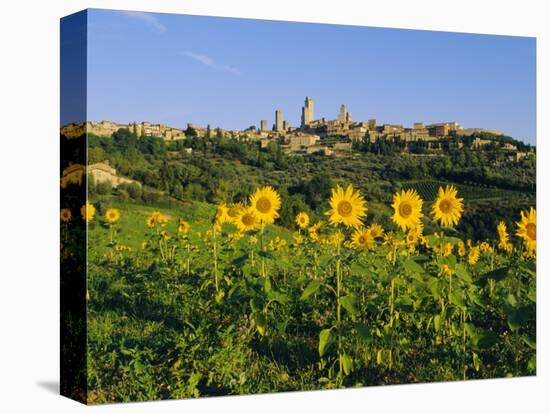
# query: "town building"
{"type": "Point", "coordinates": [100, 172]}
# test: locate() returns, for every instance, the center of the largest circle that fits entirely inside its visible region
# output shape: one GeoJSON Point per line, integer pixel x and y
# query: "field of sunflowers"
{"type": "Point", "coordinates": [217, 301]}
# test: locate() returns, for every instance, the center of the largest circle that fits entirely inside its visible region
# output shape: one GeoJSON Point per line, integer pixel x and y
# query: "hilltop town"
{"type": "Point", "coordinates": [329, 137]}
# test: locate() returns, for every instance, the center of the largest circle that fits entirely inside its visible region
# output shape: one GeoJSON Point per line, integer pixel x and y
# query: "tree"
{"type": "Point", "coordinates": [124, 138]}
{"type": "Point", "coordinates": [191, 132]}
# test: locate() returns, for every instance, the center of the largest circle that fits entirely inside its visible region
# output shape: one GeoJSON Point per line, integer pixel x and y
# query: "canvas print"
{"type": "Point", "coordinates": [253, 206]}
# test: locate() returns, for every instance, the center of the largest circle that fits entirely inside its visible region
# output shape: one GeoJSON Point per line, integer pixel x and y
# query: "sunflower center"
{"type": "Point", "coordinates": [362, 240]}
{"type": "Point", "coordinates": [344, 208]}
{"type": "Point", "coordinates": [405, 209]}
{"type": "Point", "coordinates": [248, 220]}
{"type": "Point", "coordinates": [445, 206]}
{"type": "Point", "coordinates": [263, 205]}
{"type": "Point", "coordinates": [531, 231]}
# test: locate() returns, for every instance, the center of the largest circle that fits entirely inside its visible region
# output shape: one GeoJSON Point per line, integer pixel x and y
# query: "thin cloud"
{"type": "Point", "coordinates": [147, 18]}
{"type": "Point", "coordinates": [210, 62]}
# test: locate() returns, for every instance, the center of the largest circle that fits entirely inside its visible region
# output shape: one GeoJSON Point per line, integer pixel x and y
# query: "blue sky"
{"type": "Point", "coordinates": [231, 73]}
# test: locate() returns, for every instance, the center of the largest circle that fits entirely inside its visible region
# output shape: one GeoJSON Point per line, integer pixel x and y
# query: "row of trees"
{"type": "Point", "coordinates": [222, 169]}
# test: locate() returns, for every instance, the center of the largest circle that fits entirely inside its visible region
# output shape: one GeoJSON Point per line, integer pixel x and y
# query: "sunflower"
{"type": "Point", "coordinates": [65, 215]}
{"type": "Point", "coordinates": [485, 247]}
{"type": "Point", "coordinates": [461, 248]}
{"type": "Point", "coordinates": [412, 237]}
{"type": "Point", "coordinates": [156, 217]}
{"type": "Point", "coordinates": [161, 219]}
{"type": "Point", "coordinates": [504, 238]}
{"type": "Point", "coordinates": [315, 231]}
{"type": "Point", "coordinates": [334, 239]}
{"type": "Point", "coordinates": [362, 239]}
{"type": "Point", "coordinates": [447, 270]}
{"type": "Point", "coordinates": [247, 220]}
{"type": "Point", "coordinates": [407, 206]}
{"type": "Point", "coordinates": [348, 207]}
{"type": "Point", "coordinates": [234, 209]}
{"type": "Point", "coordinates": [112, 215]}
{"type": "Point", "coordinates": [87, 211]}
{"type": "Point", "coordinates": [446, 249]}
{"type": "Point", "coordinates": [473, 256]}
{"type": "Point", "coordinates": [165, 235]}
{"type": "Point", "coordinates": [183, 227]}
{"type": "Point", "coordinates": [376, 230]}
{"type": "Point", "coordinates": [447, 207]}
{"type": "Point", "coordinates": [527, 230]}
{"type": "Point", "coordinates": [302, 220]}
{"type": "Point", "coordinates": [222, 214]}
{"type": "Point", "coordinates": [297, 238]}
{"type": "Point", "coordinates": [265, 202]}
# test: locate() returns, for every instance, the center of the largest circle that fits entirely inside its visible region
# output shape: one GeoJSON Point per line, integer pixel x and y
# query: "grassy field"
{"type": "Point", "coordinates": [212, 311]}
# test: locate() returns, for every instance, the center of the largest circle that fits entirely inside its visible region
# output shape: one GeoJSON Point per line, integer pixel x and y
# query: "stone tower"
{"type": "Point", "coordinates": [278, 121]}
{"type": "Point", "coordinates": [307, 112]}
{"type": "Point", "coordinates": [342, 114]}
{"type": "Point", "coordinates": [263, 125]}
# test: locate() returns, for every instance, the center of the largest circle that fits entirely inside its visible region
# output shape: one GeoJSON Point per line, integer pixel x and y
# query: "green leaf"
{"type": "Point", "coordinates": [267, 285]}
{"type": "Point", "coordinates": [456, 298]}
{"type": "Point", "coordinates": [470, 329]}
{"type": "Point", "coordinates": [310, 289]}
{"type": "Point", "coordinates": [324, 260]}
{"type": "Point", "coordinates": [530, 341]}
{"type": "Point", "coordinates": [516, 318]}
{"type": "Point", "coordinates": [347, 364]}
{"type": "Point", "coordinates": [532, 295]}
{"type": "Point", "coordinates": [462, 273]}
{"type": "Point", "coordinates": [358, 269]}
{"type": "Point", "coordinates": [277, 297]}
{"type": "Point", "coordinates": [484, 339]}
{"type": "Point", "coordinates": [530, 268]}
{"type": "Point", "coordinates": [256, 304]}
{"type": "Point", "coordinates": [476, 361]}
{"type": "Point", "coordinates": [413, 267]}
{"type": "Point", "coordinates": [497, 275]}
{"type": "Point", "coordinates": [379, 356]}
{"type": "Point", "coordinates": [433, 285]}
{"type": "Point", "coordinates": [326, 339]}
{"type": "Point", "coordinates": [511, 299]}
{"type": "Point", "coordinates": [349, 303]}
{"type": "Point", "coordinates": [363, 332]}
{"type": "Point", "coordinates": [448, 260]}
{"type": "Point", "coordinates": [261, 323]}
{"type": "Point", "coordinates": [437, 322]}
{"type": "Point", "coordinates": [219, 296]}
{"type": "Point", "coordinates": [240, 260]}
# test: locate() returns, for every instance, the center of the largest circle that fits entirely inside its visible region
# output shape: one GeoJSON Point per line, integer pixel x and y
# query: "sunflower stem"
{"type": "Point", "coordinates": [339, 307]}
{"type": "Point", "coordinates": [215, 251]}
{"type": "Point", "coordinates": [188, 259]}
